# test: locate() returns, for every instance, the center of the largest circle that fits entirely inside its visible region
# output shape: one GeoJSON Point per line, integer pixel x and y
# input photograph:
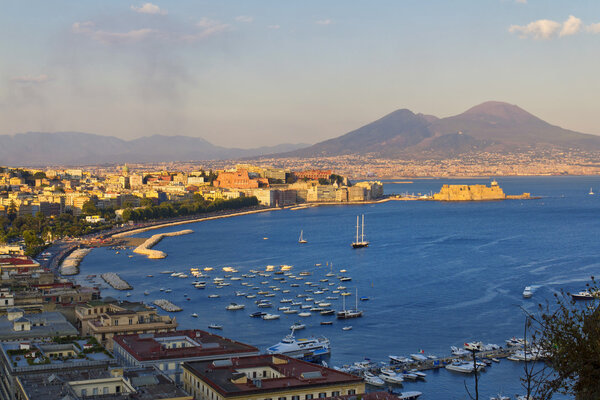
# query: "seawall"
{"type": "Point", "coordinates": [146, 247]}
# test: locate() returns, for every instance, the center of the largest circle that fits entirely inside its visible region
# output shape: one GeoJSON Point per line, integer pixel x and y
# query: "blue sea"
{"type": "Point", "coordinates": [436, 274]}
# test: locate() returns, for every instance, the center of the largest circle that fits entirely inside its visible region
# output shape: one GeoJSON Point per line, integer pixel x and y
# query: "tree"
{"type": "Point", "coordinates": [568, 334]}
{"type": "Point", "coordinates": [39, 175]}
{"type": "Point", "coordinates": [89, 208]}
{"type": "Point", "coordinates": [323, 181]}
{"type": "Point", "coordinates": [11, 212]}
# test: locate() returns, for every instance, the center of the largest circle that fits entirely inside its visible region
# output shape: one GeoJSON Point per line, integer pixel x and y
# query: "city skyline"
{"type": "Point", "coordinates": [249, 74]}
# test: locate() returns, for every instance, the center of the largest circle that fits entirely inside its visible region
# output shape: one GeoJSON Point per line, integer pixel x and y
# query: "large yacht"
{"type": "Point", "coordinates": [347, 314]}
{"type": "Point", "coordinates": [306, 349]}
{"type": "Point", "coordinates": [362, 242]}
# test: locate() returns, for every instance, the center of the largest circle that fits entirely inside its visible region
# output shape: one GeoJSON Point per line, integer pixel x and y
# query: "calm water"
{"type": "Point", "coordinates": [437, 274]}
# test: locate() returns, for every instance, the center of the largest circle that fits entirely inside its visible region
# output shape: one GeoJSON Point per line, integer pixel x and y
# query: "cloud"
{"type": "Point", "coordinates": [593, 28]}
{"type": "Point", "coordinates": [324, 22]}
{"type": "Point", "coordinates": [31, 79]}
{"type": "Point", "coordinates": [244, 18]}
{"type": "Point", "coordinates": [149, 8]}
{"type": "Point", "coordinates": [571, 26]}
{"type": "Point", "coordinates": [540, 29]}
{"type": "Point", "coordinates": [88, 28]}
{"type": "Point", "coordinates": [278, 26]}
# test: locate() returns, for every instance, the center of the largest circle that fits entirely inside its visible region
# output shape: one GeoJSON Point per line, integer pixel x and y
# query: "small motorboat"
{"type": "Point", "coordinates": [326, 322]}
{"type": "Point", "coordinates": [235, 306]}
{"type": "Point", "coordinates": [347, 328]}
{"type": "Point", "coordinates": [584, 295]}
{"type": "Point", "coordinates": [297, 326]}
{"type": "Point", "coordinates": [257, 314]}
{"type": "Point", "coordinates": [267, 316]}
{"type": "Point", "coordinates": [215, 326]}
{"type": "Point", "coordinates": [146, 293]}
{"type": "Point", "coordinates": [213, 296]}
{"type": "Point", "coordinates": [527, 292]}
{"type": "Point", "coordinates": [195, 315]}
{"type": "Point", "coordinates": [373, 380]}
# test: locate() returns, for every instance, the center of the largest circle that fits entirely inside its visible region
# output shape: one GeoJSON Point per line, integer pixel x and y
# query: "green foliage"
{"type": "Point", "coordinates": [184, 208]}
{"type": "Point", "coordinates": [39, 175]}
{"type": "Point", "coordinates": [569, 334]}
{"type": "Point", "coordinates": [89, 208]}
{"type": "Point", "coordinates": [323, 181]}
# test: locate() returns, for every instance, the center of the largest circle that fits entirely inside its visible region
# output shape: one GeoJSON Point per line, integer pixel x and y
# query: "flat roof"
{"type": "Point", "coordinates": [149, 347]}
{"type": "Point", "coordinates": [296, 374]}
{"type": "Point", "coordinates": [45, 324]}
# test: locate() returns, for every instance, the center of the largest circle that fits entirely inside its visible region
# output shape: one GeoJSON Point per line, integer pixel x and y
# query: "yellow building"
{"type": "Point", "coordinates": [470, 193]}
{"type": "Point", "coordinates": [266, 376]}
{"type": "Point", "coordinates": [104, 320]}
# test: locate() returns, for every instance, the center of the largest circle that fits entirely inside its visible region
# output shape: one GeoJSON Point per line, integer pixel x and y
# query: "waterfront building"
{"type": "Point", "coordinates": [17, 325]}
{"type": "Point", "coordinates": [168, 351]}
{"type": "Point", "coordinates": [374, 189]}
{"type": "Point", "coordinates": [105, 319]}
{"type": "Point", "coordinates": [239, 179]}
{"type": "Point", "coordinates": [108, 384]}
{"type": "Point", "coordinates": [22, 358]}
{"type": "Point", "coordinates": [321, 193]}
{"type": "Point", "coordinates": [266, 376]}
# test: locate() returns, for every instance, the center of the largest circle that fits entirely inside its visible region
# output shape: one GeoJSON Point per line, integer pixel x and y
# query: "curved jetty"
{"type": "Point", "coordinates": [166, 305]}
{"type": "Point", "coordinates": [70, 265]}
{"type": "Point", "coordinates": [114, 280]}
{"type": "Point", "coordinates": [146, 247]}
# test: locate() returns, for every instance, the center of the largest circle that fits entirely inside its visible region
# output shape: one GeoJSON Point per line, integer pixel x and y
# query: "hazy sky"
{"type": "Point", "coordinates": [246, 73]}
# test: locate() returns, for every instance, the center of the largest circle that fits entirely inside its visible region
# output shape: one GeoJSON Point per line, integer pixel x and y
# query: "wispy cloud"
{"type": "Point", "coordinates": [544, 29]}
{"type": "Point", "coordinates": [571, 26]}
{"type": "Point", "coordinates": [31, 79]}
{"type": "Point", "coordinates": [244, 18]}
{"type": "Point", "coordinates": [593, 28]}
{"type": "Point", "coordinates": [540, 29]}
{"type": "Point", "coordinates": [88, 28]}
{"type": "Point", "coordinates": [324, 22]}
{"type": "Point", "coordinates": [149, 8]}
{"type": "Point", "coordinates": [273, 26]}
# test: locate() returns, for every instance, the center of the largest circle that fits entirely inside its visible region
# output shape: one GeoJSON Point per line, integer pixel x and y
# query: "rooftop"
{"type": "Point", "coordinates": [292, 373]}
{"type": "Point", "coordinates": [181, 344]}
{"type": "Point", "coordinates": [46, 324]}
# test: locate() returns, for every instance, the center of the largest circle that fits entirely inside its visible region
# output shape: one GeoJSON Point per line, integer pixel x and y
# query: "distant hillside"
{"type": "Point", "coordinates": [492, 126]}
{"type": "Point", "coordinates": [76, 148]}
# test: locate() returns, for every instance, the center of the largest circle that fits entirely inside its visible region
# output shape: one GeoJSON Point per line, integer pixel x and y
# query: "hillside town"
{"type": "Point", "coordinates": [60, 340]}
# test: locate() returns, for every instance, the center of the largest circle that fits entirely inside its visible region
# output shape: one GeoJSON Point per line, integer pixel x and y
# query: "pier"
{"type": "Point", "coordinates": [441, 362]}
{"type": "Point", "coordinates": [70, 265]}
{"type": "Point", "coordinates": [166, 305]}
{"type": "Point", "coordinates": [114, 280]}
{"type": "Point", "coordinates": [146, 247]}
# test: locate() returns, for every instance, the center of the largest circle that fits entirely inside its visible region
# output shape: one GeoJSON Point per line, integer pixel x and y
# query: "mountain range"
{"type": "Point", "coordinates": [77, 148]}
{"type": "Point", "coordinates": [488, 127]}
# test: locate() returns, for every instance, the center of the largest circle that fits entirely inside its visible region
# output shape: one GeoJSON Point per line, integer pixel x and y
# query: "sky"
{"type": "Point", "coordinates": [248, 73]}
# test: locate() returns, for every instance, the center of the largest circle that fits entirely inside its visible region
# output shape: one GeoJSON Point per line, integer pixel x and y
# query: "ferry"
{"type": "Point", "coordinates": [306, 349]}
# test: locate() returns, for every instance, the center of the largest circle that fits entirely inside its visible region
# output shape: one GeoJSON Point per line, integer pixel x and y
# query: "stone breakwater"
{"type": "Point", "coordinates": [70, 265]}
{"type": "Point", "coordinates": [146, 247]}
{"type": "Point", "coordinates": [114, 280]}
{"type": "Point", "coordinates": [166, 305]}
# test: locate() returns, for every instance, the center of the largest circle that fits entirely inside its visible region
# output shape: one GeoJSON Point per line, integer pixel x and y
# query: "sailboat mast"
{"type": "Point", "coordinates": [357, 228]}
{"type": "Point", "coordinates": [356, 299]}
{"type": "Point", "coordinates": [362, 232]}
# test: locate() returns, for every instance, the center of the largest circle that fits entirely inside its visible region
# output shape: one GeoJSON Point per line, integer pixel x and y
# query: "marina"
{"type": "Point", "coordinates": [416, 281]}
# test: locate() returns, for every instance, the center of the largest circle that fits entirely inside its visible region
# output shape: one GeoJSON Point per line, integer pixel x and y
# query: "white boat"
{"type": "Point", "coordinates": [527, 292]}
{"type": "Point", "coordinates": [297, 326]}
{"type": "Point", "coordinates": [195, 315]}
{"type": "Point", "coordinates": [463, 367]}
{"type": "Point", "coordinates": [291, 311]}
{"type": "Point", "coordinates": [309, 348]}
{"type": "Point", "coordinates": [418, 357]}
{"type": "Point", "coordinates": [390, 376]}
{"type": "Point", "coordinates": [213, 296]}
{"type": "Point", "coordinates": [362, 242]}
{"type": "Point", "coordinates": [347, 314]}
{"type": "Point", "coordinates": [591, 192]}
{"type": "Point", "coordinates": [304, 314]}
{"type": "Point", "coordinates": [347, 328]}
{"type": "Point", "coordinates": [499, 397]}
{"type": "Point", "coordinates": [146, 293]}
{"type": "Point", "coordinates": [399, 359]}
{"type": "Point", "coordinates": [459, 352]}
{"type": "Point", "coordinates": [215, 326]}
{"type": "Point", "coordinates": [585, 295]}
{"type": "Point", "coordinates": [270, 316]}
{"type": "Point", "coordinates": [235, 306]}
{"type": "Point", "coordinates": [301, 239]}
{"type": "Point", "coordinates": [373, 380]}
{"type": "Point", "coordinates": [411, 395]}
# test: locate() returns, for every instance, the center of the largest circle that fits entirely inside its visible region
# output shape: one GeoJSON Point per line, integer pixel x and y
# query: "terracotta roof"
{"type": "Point", "coordinates": [146, 347]}
{"type": "Point", "coordinates": [296, 374]}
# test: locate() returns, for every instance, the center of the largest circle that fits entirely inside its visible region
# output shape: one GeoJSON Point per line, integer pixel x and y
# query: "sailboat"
{"type": "Point", "coordinates": [591, 191]}
{"type": "Point", "coordinates": [362, 243]}
{"type": "Point", "coordinates": [301, 240]}
{"type": "Point", "coordinates": [346, 314]}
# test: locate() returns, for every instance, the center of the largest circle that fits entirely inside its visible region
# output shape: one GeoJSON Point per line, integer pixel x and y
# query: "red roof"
{"type": "Point", "coordinates": [146, 347]}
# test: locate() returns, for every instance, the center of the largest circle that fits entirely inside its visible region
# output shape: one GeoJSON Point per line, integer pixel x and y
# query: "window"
{"type": "Point", "coordinates": [118, 389]}
{"type": "Point", "coordinates": [308, 396]}
{"type": "Point", "coordinates": [83, 392]}
{"type": "Point", "coordinates": [116, 322]}
{"type": "Point", "coordinates": [95, 391]}
{"type": "Point", "coordinates": [282, 398]}
{"type": "Point", "coordinates": [295, 397]}
{"type": "Point", "coordinates": [322, 395]}
{"type": "Point", "coordinates": [336, 393]}
{"type": "Point", "coordinates": [351, 391]}
{"type": "Point", "coordinates": [105, 390]}
{"type": "Point", "coordinates": [130, 321]}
